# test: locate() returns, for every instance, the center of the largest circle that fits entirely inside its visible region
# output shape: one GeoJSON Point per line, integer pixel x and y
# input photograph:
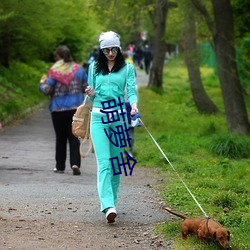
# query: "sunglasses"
{"type": "Point", "coordinates": [106, 51]}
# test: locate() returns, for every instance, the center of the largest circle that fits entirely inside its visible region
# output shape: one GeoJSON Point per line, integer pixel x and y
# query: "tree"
{"type": "Point", "coordinates": [28, 33]}
{"type": "Point", "coordinates": [223, 38]}
{"type": "Point", "coordinates": [159, 46]}
{"type": "Point", "coordinates": [201, 99]}
{"type": "Point", "coordinates": [128, 18]}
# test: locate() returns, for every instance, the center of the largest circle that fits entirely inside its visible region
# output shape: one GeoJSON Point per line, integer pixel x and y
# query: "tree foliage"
{"type": "Point", "coordinates": [28, 33]}
{"type": "Point", "coordinates": [242, 35]}
{"type": "Point", "coordinates": [241, 18]}
{"type": "Point", "coordinates": [175, 25]}
{"type": "Point", "coordinates": [126, 17]}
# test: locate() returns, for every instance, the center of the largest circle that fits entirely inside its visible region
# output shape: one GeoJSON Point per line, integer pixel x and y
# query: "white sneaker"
{"type": "Point", "coordinates": [58, 171]}
{"type": "Point", "coordinates": [111, 214]}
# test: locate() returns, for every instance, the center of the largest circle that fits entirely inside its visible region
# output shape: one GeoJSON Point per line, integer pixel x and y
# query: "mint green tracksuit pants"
{"type": "Point", "coordinates": [107, 183]}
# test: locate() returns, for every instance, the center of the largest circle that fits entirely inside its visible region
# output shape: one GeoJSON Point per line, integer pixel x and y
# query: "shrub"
{"type": "Point", "coordinates": [231, 146]}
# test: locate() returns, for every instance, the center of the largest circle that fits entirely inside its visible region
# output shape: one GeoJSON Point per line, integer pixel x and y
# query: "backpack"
{"type": "Point", "coordinates": [81, 126]}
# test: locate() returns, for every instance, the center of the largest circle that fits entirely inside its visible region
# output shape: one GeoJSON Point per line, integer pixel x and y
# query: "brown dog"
{"type": "Point", "coordinates": [204, 229]}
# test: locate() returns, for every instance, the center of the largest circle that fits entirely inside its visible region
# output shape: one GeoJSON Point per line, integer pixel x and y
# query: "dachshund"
{"type": "Point", "coordinates": [204, 229]}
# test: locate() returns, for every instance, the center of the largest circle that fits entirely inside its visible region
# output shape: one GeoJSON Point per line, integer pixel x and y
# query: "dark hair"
{"type": "Point", "coordinates": [102, 67]}
{"type": "Point", "coordinates": [64, 53]}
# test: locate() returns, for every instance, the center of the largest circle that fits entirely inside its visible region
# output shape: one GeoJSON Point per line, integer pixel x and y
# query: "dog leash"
{"type": "Point", "coordinates": [174, 170]}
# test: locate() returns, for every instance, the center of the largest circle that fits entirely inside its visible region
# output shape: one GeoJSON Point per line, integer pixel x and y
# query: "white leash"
{"type": "Point", "coordinates": [174, 170]}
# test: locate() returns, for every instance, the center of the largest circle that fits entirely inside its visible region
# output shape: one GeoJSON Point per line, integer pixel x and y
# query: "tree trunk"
{"type": "Point", "coordinates": [159, 47]}
{"type": "Point", "coordinates": [223, 38]}
{"type": "Point", "coordinates": [235, 109]}
{"type": "Point", "coordinates": [201, 99]}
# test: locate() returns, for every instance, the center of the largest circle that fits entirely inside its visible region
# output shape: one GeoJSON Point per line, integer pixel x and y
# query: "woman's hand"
{"type": "Point", "coordinates": [43, 79]}
{"type": "Point", "coordinates": [134, 109]}
{"type": "Point", "coordinates": [90, 91]}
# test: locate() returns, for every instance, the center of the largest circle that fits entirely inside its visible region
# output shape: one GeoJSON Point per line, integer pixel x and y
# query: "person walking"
{"type": "Point", "coordinates": [108, 77]}
{"type": "Point", "coordinates": [65, 83]}
{"type": "Point", "coordinates": [147, 54]}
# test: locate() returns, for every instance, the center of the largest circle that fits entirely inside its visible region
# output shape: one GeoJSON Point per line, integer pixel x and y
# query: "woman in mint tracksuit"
{"type": "Point", "coordinates": [108, 77]}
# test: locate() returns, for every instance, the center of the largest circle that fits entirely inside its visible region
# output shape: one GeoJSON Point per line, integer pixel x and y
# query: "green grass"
{"type": "Point", "coordinates": [214, 164]}
{"type": "Point", "coordinates": [19, 88]}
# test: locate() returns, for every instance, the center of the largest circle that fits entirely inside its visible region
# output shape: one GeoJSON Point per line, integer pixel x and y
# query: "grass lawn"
{"type": "Point", "coordinates": [19, 88]}
{"type": "Point", "coordinates": [214, 164]}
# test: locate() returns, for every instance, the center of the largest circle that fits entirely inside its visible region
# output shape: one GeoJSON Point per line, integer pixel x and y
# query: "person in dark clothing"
{"type": "Point", "coordinates": [138, 56]}
{"type": "Point", "coordinates": [147, 54]}
{"type": "Point", "coordinates": [65, 83]}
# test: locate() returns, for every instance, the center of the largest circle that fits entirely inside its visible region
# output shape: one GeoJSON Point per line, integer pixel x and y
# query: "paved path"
{"type": "Point", "coordinates": [26, 163]}
{"type": "Point", "coordinates": [141, 78]}
{"type": "Point", "coordinates": [30, 190]}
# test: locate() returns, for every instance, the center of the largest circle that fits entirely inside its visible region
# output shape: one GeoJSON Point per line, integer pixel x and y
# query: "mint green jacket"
{"type": "Point", "coordinates": [113, 85]}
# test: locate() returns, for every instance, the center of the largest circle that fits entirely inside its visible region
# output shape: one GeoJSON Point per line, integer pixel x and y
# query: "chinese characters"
{"type": "Point", "coordinates": [119, 137]}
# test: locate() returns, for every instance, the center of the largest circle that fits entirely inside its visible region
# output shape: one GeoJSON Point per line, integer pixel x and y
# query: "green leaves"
{"type": "Point", "coordinates": [28, 33]}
